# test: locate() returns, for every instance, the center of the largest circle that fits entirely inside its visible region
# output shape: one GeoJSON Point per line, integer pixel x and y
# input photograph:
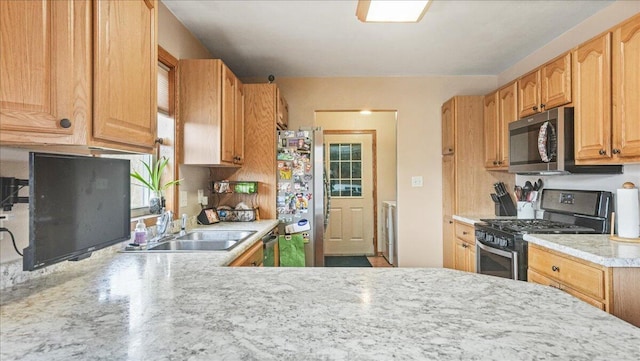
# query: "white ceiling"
{"type": "Point", "coordinates": [290, 38]}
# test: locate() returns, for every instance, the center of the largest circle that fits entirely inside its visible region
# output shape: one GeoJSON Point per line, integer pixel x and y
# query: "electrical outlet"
{"type": "Point", "coordinates": [183, 198]}
{"type": "Point", "coordinates": [416, 181]}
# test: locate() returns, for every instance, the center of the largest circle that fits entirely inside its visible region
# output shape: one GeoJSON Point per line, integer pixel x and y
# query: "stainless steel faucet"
{"type": "Point", "coordinates": [163, 222]}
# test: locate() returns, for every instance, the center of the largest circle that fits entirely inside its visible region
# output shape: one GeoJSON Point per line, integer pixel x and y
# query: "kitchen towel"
{"type": "Point", "coordinates": [628, 213]}
{"type": "Point", "coordinates": [291, 249]}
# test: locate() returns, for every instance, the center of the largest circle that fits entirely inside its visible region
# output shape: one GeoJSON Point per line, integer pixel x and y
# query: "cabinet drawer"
{"type": "Point", "coordinates": [576, 275]}
{"type": "Point", "coordinates": [252, 257]}
{"type": "Point", "coordinates": [465, 233]}
{"type": "Point", "coordinates": [535, 277]}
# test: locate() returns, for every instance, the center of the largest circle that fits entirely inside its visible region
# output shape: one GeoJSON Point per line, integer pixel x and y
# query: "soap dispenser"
{"type": "Point", "coordinates": [140, 233]}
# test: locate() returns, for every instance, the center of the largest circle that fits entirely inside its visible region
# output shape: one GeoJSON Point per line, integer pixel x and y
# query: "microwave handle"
{"type": "Point", "coordinates": [546, 138]}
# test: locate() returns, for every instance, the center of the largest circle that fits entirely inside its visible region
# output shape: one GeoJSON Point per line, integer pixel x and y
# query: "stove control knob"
{"type": "Point", "coordinates": [502, 242]}
{"type": "Point", "coordinates": [480, 235]}
{"type": "Point", "coordinates": [489, 238]}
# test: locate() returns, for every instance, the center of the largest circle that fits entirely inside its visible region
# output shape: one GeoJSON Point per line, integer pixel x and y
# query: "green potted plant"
{"type": "Point", "coordinates": [155, 169]}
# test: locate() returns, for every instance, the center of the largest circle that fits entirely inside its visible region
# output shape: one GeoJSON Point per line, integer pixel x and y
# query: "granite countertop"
{"type": "Point", "coordinates": [596, 248]}
{"type": "Point", "coordinates": [472, 219]}
{"type": "Point", "coordinates": [180, 307]}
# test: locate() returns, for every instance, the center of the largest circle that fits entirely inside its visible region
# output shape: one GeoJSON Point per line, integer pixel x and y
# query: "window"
{"type": "Point", "coordinates": [345, 169]}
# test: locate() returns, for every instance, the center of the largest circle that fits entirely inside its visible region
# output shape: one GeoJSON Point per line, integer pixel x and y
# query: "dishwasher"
{"type": "Point", "coordinates": [270, 249]}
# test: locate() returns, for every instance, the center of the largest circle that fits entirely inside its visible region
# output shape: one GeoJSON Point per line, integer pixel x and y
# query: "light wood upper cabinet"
{"type": "Point", "coordinates": [238, 129]}
{"type": "Point", "coordinates": [491, 130]}
{"type": "Point", "coordinates": [67, 69]}
{"type": "Point", "coordinates": [555, 82]}
{"type": "Point", "coordinates": [545, 88]}
{"type": "Point", "coordinates": [283, 111]}
{"type": "Point", "coordinates": [209, 96]}
{"type": "Point", "coordinates": [125, 66]}
{"type": "Point", "coordinates": [626, 91]}
{"type": "Point", "coordinates": [448, 126]}
{"type": "Point", "coordinates": [45, 73]}
{"type": "Point", "coordinates": [496, 132]}
{"type": "Point", "coordinates": [529, 94]}
{"type": "Point", "coordinates": [592, 99]}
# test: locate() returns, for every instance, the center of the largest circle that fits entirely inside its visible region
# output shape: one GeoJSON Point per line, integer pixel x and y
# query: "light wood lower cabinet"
{"type": "Point", "coordinates": [253, 257]}
{"type": "Point", "coordinates": [464, 248]}
{"type": "Point", "coordinates": [615, 290]}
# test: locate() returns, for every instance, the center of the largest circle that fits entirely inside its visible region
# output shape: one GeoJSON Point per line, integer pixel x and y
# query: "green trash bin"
{"type": "Point", "coordinates": [291, 250]}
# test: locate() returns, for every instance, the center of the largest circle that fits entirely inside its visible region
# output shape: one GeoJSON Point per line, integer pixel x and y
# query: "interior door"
{"type": "Point", "coordinates": [349, 160]}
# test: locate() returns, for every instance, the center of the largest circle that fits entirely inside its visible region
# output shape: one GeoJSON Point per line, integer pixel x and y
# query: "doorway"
{"type": "Point", "coordinates": [382, 124]}
{"type": "Point", "coordinates": [350, 161]}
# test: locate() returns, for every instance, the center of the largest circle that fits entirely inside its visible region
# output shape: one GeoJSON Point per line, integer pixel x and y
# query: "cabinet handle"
{"type": "Point", "coordinates": [602, 152]}
{"type": "Point", "coordinates": [499, 162]}
{"type": "Point", "coordinates": [450, 222]}
{"type": "Point", "coordinates": [535, 108]}
{"type": "Point", "coordinates": [65, 123]}
{"type": "Point", "coordinates": [450, 150]}
{"type": "Point", "coordinates": [615, 151]}
{"type": "Point", "coordinates": [555, 268]}
{"type": "Point", "coordinates": [495, 163]}
{"type": "Point", "coordinates": [465, 233]}
{"type": "Point", "coordinates": [542, 106]}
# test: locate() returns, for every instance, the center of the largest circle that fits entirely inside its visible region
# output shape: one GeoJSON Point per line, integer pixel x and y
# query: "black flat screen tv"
{"type": "Point", "coordinates": [77, 205]}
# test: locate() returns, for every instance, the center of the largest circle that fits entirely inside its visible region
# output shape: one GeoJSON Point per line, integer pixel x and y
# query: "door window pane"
{"type": "Point", "coordinates": [345, 167]}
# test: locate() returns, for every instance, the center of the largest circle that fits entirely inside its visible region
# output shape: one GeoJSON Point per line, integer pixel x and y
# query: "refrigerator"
{"type": "Point", "coordinates": [301, 203]}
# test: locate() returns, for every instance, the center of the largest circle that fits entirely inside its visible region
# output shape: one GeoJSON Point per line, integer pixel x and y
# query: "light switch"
{"type": "Point", "coordinates": [200, 195]}
{"type": "Point", "coordinates": [183, 199]}
{"type": "Point", "coordinates": [416, 181]}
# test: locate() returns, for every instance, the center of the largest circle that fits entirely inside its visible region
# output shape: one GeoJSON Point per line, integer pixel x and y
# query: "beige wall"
{"type": "Point", "coordinates": [418, 102]}
{"type": "Point", "coordinates": [384, 123]}
{"type": "Point", "coordinates": [594, 25]}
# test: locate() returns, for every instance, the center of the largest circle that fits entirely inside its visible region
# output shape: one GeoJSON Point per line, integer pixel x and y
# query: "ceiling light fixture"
{"type": "Point", "coordinates": [391, 11]}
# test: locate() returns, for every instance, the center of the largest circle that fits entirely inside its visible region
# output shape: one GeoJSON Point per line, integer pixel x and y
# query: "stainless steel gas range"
{"type": "Point", "coordinates": [500, 248]}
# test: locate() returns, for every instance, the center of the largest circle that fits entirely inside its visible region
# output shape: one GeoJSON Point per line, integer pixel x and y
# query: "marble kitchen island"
{"type": "Point", "coordinates": [180, 307]}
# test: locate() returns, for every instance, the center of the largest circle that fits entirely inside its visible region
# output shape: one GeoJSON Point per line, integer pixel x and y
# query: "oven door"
{"type": "Point", "coordinates": [496, 262]}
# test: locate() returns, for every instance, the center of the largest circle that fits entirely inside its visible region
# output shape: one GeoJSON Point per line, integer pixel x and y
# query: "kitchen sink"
{"type": "Point", "coordinates": [196, 241]}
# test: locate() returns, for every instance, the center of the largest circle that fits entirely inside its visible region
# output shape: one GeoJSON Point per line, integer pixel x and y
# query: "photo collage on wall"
{"type": "Point", "coordinates": [295, 174]}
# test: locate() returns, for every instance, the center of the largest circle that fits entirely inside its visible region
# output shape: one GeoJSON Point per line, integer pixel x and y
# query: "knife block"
{"type": "Point", "coordinates": [504, 205]}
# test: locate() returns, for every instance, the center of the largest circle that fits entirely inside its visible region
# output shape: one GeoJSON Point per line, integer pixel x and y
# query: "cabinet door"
{"type": "Point", "coordinates": [529, 94]}
{"type": "Point", "coordinates": [253, 257]}
{"type": "Point", "coordinates": [45, 71]}
{"type": "Point", "coordinates": [626, 91]}
{"type": "Point", "coordinates": [460, 256]}
{"type": "Point", "coordinates": [125, 64]}
{"type": "Point", "coordinates": [556, 82]}
{"type": "Point", "coordinates": [448, 126]}
{"type": "Point", "coordinates": [282, 110]}
{"type": "Point", "coordinates": [507, 113]}
{"type": "Point", "coordinates": [448, 241]}
{"type": "Point", "coordinates": [448, 185]}
{"type": "Point", "coordinates": [239, 124]}
{"type": "Point", "coordinates": [491, 132]}
{"type": "Point", "coordinates": [228, 114]}
{"type": "Point", "coordinates": [592, 99]}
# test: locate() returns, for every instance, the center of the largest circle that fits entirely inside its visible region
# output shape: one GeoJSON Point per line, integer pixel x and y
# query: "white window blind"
{"type": "Point", "coordinates": [163, 89]}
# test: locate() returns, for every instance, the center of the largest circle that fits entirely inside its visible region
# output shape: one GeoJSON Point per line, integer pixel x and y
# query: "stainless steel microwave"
{"type": "Point", "coordinates": [543, 144]}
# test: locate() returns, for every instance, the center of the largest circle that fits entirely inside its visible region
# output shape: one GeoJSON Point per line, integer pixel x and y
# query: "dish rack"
{"type": "Point", "coordinates": [229, 192]}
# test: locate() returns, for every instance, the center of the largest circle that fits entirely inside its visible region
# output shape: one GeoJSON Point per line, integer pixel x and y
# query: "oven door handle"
{"type": "Point", "coordinates": [499, 252]}
{"type": "Point", "coordinates": [512, 255]}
